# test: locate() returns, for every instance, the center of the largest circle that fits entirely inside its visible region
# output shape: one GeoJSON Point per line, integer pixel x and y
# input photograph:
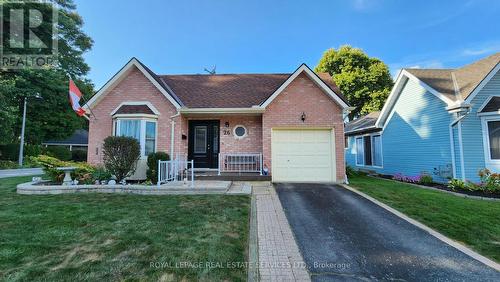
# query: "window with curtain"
{"type": "Point", "coordinates": [369, 150]}
{"type": "Point", "coordinates": [142, 130]}
{"type": "Point", "coordinates": [494, 138]}
{"type": "Point", "coordinates": [130, 128]}
{"type": "Point", "coordinates": [377, 150]}
{"type": "Point", "coordinates": [359, 151]}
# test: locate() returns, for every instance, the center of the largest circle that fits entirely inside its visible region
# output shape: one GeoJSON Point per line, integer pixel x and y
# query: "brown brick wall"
{"type": "Point", "coordinates": [134, 87]}
{"type": "Point", "coordinates": [304, 96]}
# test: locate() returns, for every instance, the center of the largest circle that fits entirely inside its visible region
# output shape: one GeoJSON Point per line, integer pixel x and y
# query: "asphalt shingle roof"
{"type": "Point", "coordinates": [363, 123]}
{"type": "Point", "coordinates": [230, 90]}
{"type": "Point", "coordinates": [467, 77]}
{"type": "Point", "coordinates": [80, 136]}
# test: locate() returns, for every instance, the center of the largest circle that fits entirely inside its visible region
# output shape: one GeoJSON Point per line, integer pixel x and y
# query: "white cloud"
{"type": "Point", "coordinates": [481, 50]}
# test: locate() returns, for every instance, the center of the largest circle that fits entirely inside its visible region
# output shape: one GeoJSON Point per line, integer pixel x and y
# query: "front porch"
{"type": "Point", "coordinates": [213, 174]}
{"type": "Point", "coordinates": [222, 145]}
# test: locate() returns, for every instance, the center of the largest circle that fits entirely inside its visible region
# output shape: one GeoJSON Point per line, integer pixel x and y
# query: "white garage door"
{"type": "Point", "coordinates": [302, 155]}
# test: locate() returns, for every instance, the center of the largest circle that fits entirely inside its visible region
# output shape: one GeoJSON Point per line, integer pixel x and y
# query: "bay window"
{"type": "Point", "coordinates": [144, 130]}
{"type": "Point", "coordinates": [369, 150]}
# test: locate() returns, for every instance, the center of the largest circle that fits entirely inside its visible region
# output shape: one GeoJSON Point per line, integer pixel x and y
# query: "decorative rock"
{"type": "Point", "coordinates": [112, 182]}
{"type": "Point", "coordinates": [97, 182]}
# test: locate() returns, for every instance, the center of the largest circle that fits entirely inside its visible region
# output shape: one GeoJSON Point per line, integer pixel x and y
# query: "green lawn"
{"type": "Point", "coordinates": [475, 223]}
{"type": "Point", "coordinates": [117, 237]}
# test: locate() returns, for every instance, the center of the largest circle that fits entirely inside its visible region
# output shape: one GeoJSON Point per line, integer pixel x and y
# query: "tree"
{"type": "Point", "coordinates": [51, 117]}
{"type": "Point", "coordinates": [366, 82]}
{"type": "Point", "coordinates": [120, 155]}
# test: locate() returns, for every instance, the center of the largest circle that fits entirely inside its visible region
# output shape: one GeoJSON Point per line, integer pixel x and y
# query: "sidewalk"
{"type": "Point", "coordinates": [20, 172]}
{"type": "Point", "coordinates": [279, 256]}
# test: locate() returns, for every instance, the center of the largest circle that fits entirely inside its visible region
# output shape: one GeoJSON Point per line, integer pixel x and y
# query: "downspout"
{"type": "Point", "coordinates": [345, 118]}
{"type": "Point", "coordinates": [452, 143]}
{"type": "Point", "coordinates": [461, 114]}
{"type": "Point", "coordinates": [172, 134]}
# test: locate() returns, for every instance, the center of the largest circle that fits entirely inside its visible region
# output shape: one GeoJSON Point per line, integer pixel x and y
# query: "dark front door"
{"type": "Point", "coordinates": [203, 145]}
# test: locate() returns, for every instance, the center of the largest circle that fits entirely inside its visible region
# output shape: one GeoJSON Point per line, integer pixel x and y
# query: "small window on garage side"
{"type": "Point", "coordinates": [369, 150]}
{"type": "Point", "coordinates": [240, 131]}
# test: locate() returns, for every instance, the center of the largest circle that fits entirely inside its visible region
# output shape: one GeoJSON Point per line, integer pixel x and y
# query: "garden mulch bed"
{"type": "Point", "coordinates": [444, 187]}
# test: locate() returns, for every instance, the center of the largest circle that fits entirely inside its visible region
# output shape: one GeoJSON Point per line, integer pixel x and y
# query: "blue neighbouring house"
{"type": "Point", "coordinates": [442, 122]}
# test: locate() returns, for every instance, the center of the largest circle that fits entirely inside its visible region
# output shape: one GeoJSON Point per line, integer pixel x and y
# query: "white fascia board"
{"type": "Point", "coordinates": [401, 79]}
{"type": "Point", "coordinates": [485, 81]}
{"type": "Point", "coordinates": [396, 90]}
{"type": "Point", "coordinates": [314, 77]}
{"type": "Point", "coordinates": [119, 76]}
{"type": "Point", "coordinates": [433, 91]}
{"type": "Point", "coordinates": [486, 103]}
{"type": "Point", "coordinates": [148, 104]}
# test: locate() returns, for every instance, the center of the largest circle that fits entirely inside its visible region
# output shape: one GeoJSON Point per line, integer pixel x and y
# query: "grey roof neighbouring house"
{"type": "Point", "coordinates": [79, 138]}
{"type": "Point", "coordinates": [467, 77]}
{"type": "Point", "coordinates": [363, 124]}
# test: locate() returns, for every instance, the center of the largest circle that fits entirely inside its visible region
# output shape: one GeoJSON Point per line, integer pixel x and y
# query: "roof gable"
{"type": "Point", "coordinates": [460, 84]}
{"type": "Point", "coordinates": [337, 97]}
{"type": "Point", "coordinates": [122, 73]}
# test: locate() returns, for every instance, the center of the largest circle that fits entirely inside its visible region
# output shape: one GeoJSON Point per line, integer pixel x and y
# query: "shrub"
{"type": "Point", "coordinates": [457, 184]}
{"type": "Point", "coordinates": [8, 164]}
{"type": "Point", "coordinates": [425, 179]}
{"type": "Point", "coordinates": [58, 152]}
{"type": "Point", "coordinates": [82, 173]}
{"type": "Point", "coordinates": [153, 158]}
{"type": "Point", "coordinates": [101, 174]}
{"type": "Point", "coordinates": [79, 155]}
{"type": "Point", "coordinates": [120, 155]}
{"type": "Point", "coordinates": [350, 172]}
{"type": "Point", "coordinates": [32, 150]}
{"type": "Point", "coordinates": [10, 152]}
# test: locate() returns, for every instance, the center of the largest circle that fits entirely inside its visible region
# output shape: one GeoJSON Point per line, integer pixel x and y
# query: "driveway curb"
{"type": "Point", "coordinates": [253, 248]}
{"type": "Point", "coordinates": [429, 230]}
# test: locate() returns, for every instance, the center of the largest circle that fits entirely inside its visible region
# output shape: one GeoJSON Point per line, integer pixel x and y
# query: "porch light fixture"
{"type": "Point", "coordinates": [303, 117]}
{"type": "Point", "coordinates": [226, 124]}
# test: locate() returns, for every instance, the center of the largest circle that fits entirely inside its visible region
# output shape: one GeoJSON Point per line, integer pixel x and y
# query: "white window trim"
{"type": "Point", "coordinates": [136, 103]}
{"type": "Point", "coordinates": [489, 163]}
{"type": "Point", "coordinates": [240, 137]}
{"type": "Point", "coordinates": [142, 141]}
{"type": "Point", "coordinates": [371, 135]}
{"type": "Point", "coordinates": [484, 105]}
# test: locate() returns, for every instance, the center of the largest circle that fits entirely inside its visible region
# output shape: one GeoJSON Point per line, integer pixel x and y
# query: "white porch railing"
{"type": "Point", "coordinates": [176, 170]}
{"type": "Point", "coordinates": [240, 163]}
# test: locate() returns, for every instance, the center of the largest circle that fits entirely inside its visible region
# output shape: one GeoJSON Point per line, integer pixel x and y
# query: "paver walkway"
{"type": "Point", "coordinates": [279, 256]}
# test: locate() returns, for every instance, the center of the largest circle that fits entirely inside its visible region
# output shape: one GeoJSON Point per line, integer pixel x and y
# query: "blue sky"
{"type": "Point", "coordinates": [254, 36]}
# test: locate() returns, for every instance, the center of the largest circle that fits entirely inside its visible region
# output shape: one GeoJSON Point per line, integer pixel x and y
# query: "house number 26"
{"type": "Point", "coordinates": [227, 132]}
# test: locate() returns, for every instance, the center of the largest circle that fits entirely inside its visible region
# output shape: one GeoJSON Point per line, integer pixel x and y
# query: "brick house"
{"type": "Point", "coordinates": [290, 125]}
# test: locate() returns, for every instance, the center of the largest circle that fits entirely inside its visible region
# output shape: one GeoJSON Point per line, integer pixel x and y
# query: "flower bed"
{"type": "Point", "coordinates": [489, 186]}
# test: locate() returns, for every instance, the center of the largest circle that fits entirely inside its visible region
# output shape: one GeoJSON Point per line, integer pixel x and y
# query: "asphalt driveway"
{"type": "Point", "coordinates": [343, 236]}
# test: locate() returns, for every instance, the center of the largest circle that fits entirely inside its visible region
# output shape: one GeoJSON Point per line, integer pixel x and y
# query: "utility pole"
{"type": "Point", "coordinates": [21, 146]}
